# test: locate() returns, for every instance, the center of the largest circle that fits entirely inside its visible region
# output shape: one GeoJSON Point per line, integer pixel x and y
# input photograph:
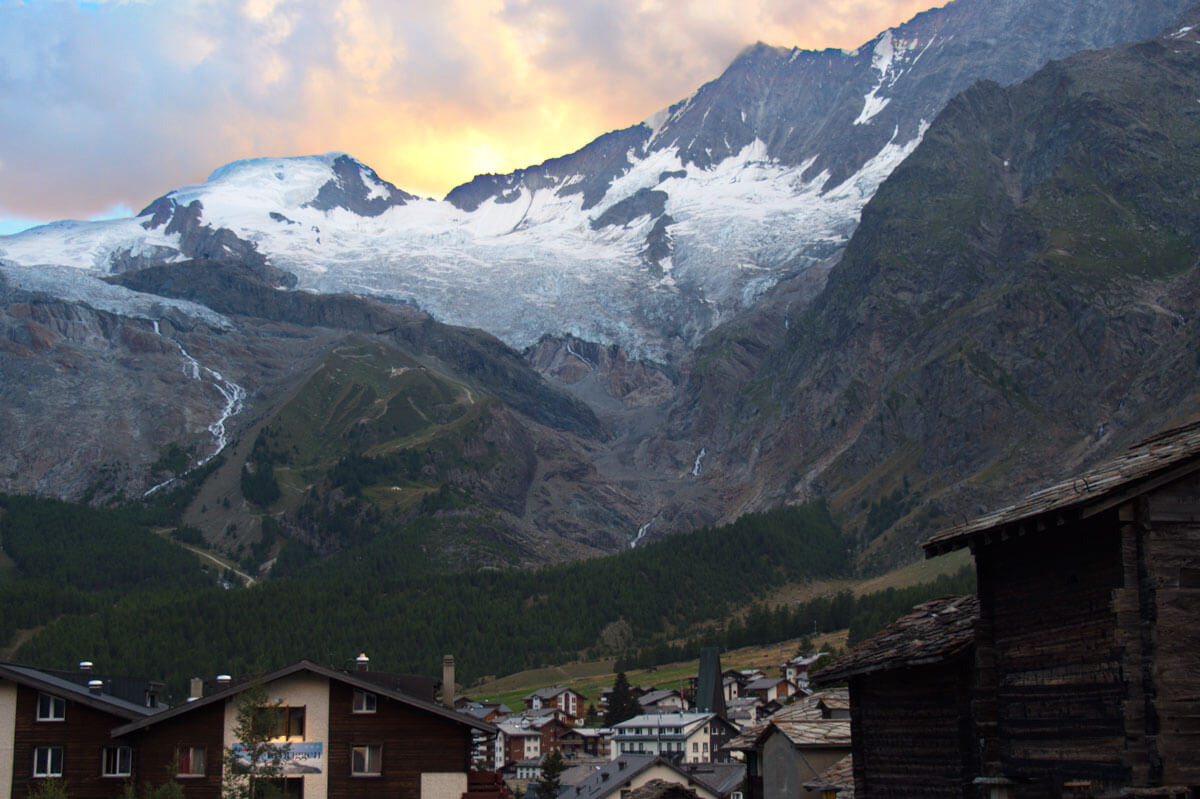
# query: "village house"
{"type": "Point", "coordinates": [54, 727]}
{"type": "Point", "coordinates": [517, 740]}
{"type": "Point", "coordinates": [796, 670]}
{"type": "Point", "coordinates": [770, 689]}
{"type": "Point", "coordinates": [347, 735]}
{"type": "Point", "coordinates": [691, 737]}
{"type": "Point", "coordinates": [787, 754]}
{"type": "Point", "coordinates": [1089, 629]}
{"type": "Point", "coordinates": [663, 701]}
{"type": "Point", "coordinates": [568, 700]}
{"type": "Point", "coordinates": [910, 697]}
{"type": "Point", "coordinates": [583, 742]}
{"type": "Point", "coordinates": [825, 706]}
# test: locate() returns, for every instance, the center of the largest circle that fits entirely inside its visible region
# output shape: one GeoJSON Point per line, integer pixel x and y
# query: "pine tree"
{"type": "Point", "coordinates": [552, 768]}
{"type": "Point", "coordinates": [622, 704]}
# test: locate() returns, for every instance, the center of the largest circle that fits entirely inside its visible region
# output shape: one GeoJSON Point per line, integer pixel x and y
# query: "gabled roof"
{"type": "Point", "coordinates": [717, 778]}
{"type": "Point", "coordinates": [810, 734]}
{"type": "Point", "coordinates": [935, 631]}
{"type": "Point", "coordinates": [838, 777]}
{"type": "Point", "coordinates": [1165, 457]}
{"type": "Point", "coordinates": [657, 695]}
{"type": "Point", "coordinates": [766, 683]}
{"type": "Point", "coordinates": [550, 693]}
{"type": "Point", "coordinates": [807, 709]}
{"type": "Point", "coordinates": [68, 689]}
{"type": "Point", "coordinates": [353, 679]}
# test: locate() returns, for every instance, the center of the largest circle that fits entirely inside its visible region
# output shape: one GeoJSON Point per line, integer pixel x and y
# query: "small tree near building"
{"type": "Point", "coordinates": [253, 765]}
{"type": "Point", "coordinates": [622, 704]}
{"type": "Point", "coordinates": [552, 768]}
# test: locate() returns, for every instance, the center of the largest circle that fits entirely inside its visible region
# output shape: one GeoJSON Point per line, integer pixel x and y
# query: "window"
{"type": "Point", "coordinates": [364, 702]}
{"type": "Point", "coordinates": [191, 761]}
{"type": "Point", "coordinates": [286, 787]}
{"type": "Point", "coordinates": [51, 708]}
{"type": "Point", "coordinates": [365, 760]}
{"type": "Point", "coordinates": [48, 761]}
{"type": "Point", "coordinates": [286, 722]}
{"type": "Point", "coordinates": [695, 746]}
{"type": "Point", "coordinates": [116, 761]}
{"type": "Point", "coordinates": [706, 747]}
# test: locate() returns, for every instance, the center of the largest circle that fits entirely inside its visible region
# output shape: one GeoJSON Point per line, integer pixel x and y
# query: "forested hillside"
{"type": "Point", "coordinates": [146, 612]}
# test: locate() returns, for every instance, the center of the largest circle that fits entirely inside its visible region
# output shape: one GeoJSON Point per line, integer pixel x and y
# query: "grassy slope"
{"type": "Point", "coordinates": [590, 677]}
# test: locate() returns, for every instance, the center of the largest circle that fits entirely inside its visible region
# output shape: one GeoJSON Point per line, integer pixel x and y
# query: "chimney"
{"type": "Point", "coordinates": [195, 689]}
{"type": "Point", "coordinates": [224, 681]}
{"type": "Point", "coordinates": [85, 666]}
{"type": "Point", "coordinates": [96, 687]}
{"type": "Point", "coordinates": [152, 689]}
{"type": "Point", "coordinates": [448, 680]}
{"type": "Point", "coordinates": [362, 662]}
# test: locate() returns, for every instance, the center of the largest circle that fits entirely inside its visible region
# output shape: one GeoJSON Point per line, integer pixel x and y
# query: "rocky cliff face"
{"type": "Point", "coordinates": [694, 343]}
{"type": "Point", "coordinates": [1017, 301]}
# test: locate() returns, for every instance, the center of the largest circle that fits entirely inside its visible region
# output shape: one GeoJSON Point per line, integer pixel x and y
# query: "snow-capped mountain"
{"type": "Point", "coordinates": [646, 238]}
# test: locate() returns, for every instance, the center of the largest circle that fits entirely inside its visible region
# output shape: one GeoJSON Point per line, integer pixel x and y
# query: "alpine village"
{"type": "Point", "coordinates": [833, 432]}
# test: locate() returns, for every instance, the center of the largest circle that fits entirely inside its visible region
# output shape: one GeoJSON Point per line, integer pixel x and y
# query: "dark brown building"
{"type": "Point", "coordinates": [349, 736]}
{"type": "Point", "coordinates": [911, 690]}
{"type": "Point", "coordinates": [55, 728]}
{"type": "Point", "coordinates": [1089, 633]}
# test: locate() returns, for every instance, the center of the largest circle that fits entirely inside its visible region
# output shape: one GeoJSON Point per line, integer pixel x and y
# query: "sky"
{"type": "Point", "coordinates": [106, 105]}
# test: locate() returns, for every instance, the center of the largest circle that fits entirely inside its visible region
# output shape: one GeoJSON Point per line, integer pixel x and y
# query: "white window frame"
{"type": "Point", "coordinates": [51, 707]}
{"type": "Point", "coordinates": [372, 755]}
{"type": "Point", "coordinates": [43, 761]}
{"type": "Point", "coordinates": [193, 761]}
{"type": "Point", "coordinates": [364, 702]}
{"type": "Point", "coordinates": [111, 758]}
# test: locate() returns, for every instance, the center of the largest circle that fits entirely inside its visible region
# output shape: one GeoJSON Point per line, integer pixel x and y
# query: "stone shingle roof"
{"type": "Point", "coordinates": [933, 632]}
{"type": "Point", "coordinates": [838, 777]}
{"type": "Point", "coordinates": [1143, 466]}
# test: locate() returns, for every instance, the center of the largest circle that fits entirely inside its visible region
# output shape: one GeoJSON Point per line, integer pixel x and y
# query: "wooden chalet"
{"type": "Point", "coordinates": [349, 737]}
{"type": "Point", "coordinates": [1087, 648]}
{"type": "Point", "coordinates": [911, 689]}
{"type": "Point", "coordinates": [52, 727]}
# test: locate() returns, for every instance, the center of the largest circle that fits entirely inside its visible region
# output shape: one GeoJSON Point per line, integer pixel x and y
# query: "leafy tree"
{"type": "Point", "coordinates": [552, 768]}
{"type": "Point", "coordinates": [49, 789]}
{"type": "Point", "coordinates": [253, 765]}
{"type": "Point", "coordinates": [622, 704]}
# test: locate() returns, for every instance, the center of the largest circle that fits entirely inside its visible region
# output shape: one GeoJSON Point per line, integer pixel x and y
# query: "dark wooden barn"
{"type": "Point", "coordinates": [1087, 649]}
{"type": "Point", "coordinates": [911, 689]}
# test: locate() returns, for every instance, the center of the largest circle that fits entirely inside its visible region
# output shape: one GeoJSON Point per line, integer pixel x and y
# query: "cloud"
{"type": "Point", "coordinates": [117, 102]}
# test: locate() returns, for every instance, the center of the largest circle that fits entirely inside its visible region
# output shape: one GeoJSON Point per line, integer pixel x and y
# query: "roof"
{"type": "Point", "coordinates": [764, 683]}
{"type": "Point", "coordinates": [353, 679]}
{"type": "Point", "coordinates": [718, 778]}
{"type": "Point", "coordinates": [838, 777]}
{"type": "Point", "coordinates": [657, 696]}
{"type": "Point", "coordinates": [806, 709]}
{"type": "Point", "coordinates": [658, 720]}
{"type": "Point", "coordinates": [44, 681]}
{"type": "Point", "coordinates": [1143, 467]}
{"type": "Point", "coordinates": [935, 631]}
{"type": "Point", "coordinates": [550, 693]}
{"type": "Point", "coordinates": [809, 734]}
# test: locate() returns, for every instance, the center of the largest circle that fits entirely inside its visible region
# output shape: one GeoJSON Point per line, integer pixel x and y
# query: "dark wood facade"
{"type": "Point", "coordinates": [1054, 688]}
{"type": "Point", "coordinates": [912, 690]}
{"type": "Point", "coordinates": [912, 732]}
{"type": "Point", "coordinates": [82, 735]}
{"type": "Point", "coordinates": [1088, 642]}
{"type": "Point", "coordinates": [156, 750]}
{"type": "Point", "coordinates": [412, 742]}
